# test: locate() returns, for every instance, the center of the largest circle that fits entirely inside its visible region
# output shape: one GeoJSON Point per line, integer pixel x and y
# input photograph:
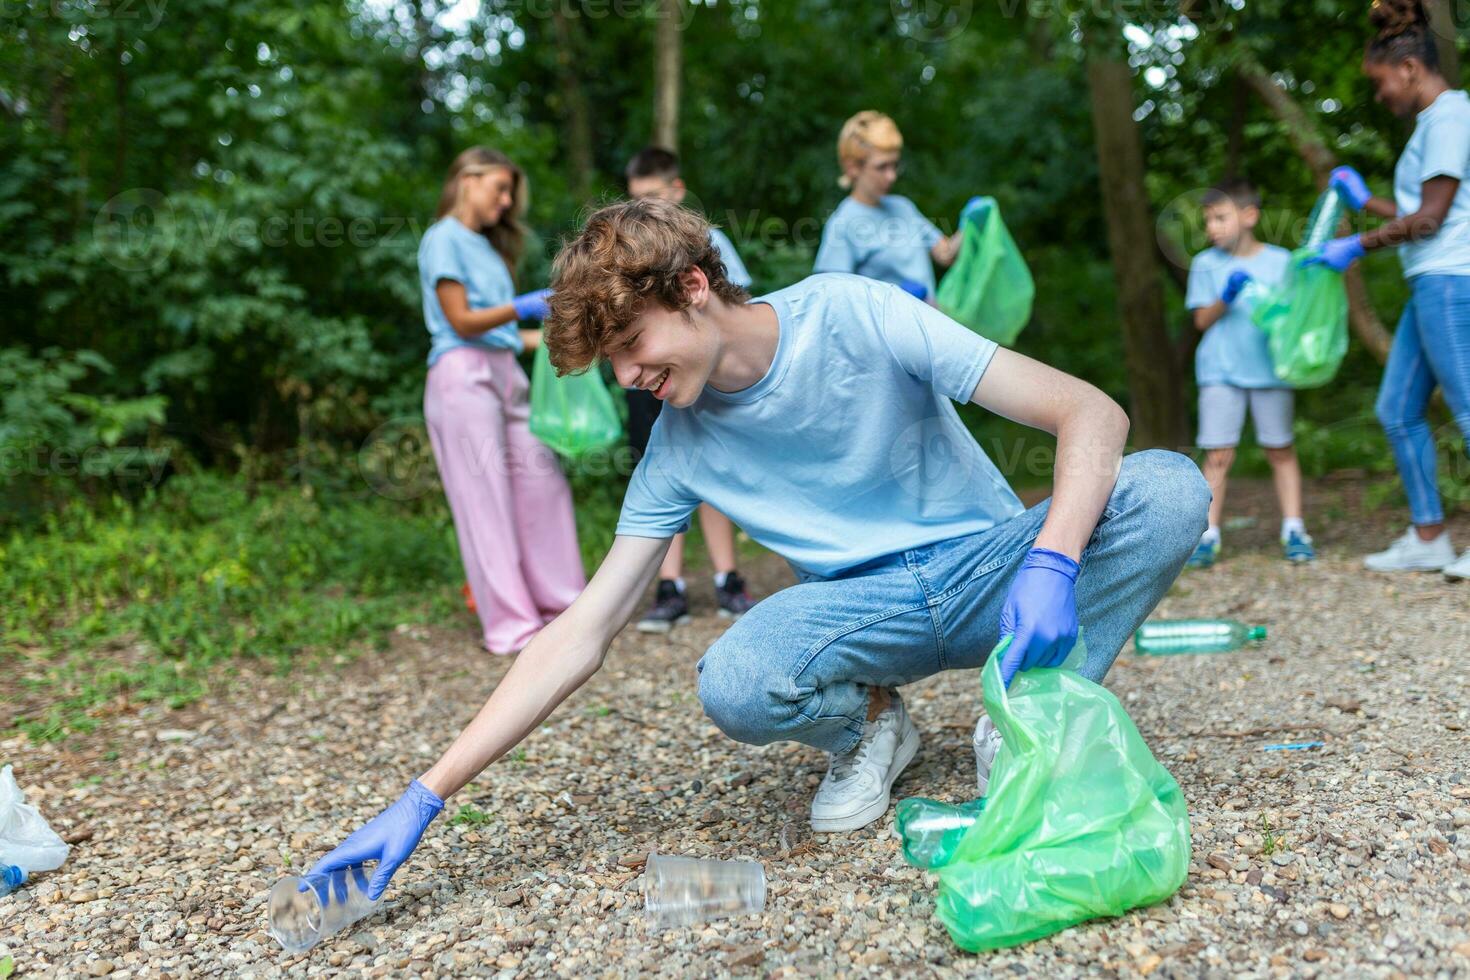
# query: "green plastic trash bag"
{"type": "Point", "coordinates": [1305, 318]}
{"type": "Point", "coordinates": [1080, 821]}
{"type": "Point", "coordinates": [574, 415]}
{"type": "Point", "coordinates": [988, 289]}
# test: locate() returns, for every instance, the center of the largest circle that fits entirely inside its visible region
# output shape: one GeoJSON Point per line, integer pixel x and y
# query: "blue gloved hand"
{"type": "Point", "coordinates": [389, 838]}
{"type": "Point", "coordinates": [978, 203]}
{"type": "Point", "coordinates": [915, 289]}
{"type": "Point", "coordinates": [1234, 285]}
{"type": "Point", "coordinates": [1040, 613]}
{"type": "Point", "coordinates": [531, 306]}
{"type": "Point", "coordinates": [1351, 185]}
{"type": "Point", "coordinates": [1339, 253]}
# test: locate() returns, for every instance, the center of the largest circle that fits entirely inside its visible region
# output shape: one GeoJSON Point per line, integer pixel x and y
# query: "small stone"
{"type": "Point", "coordinates": [873, 957]}
{"type": "Point", "coordinates": [748, 956]}
{"type": "Point", "coordinates": [174, 735]}
{"type": "Point", "coordinates": [1282, 858]}
{"type": "Point", "coordinates": [1463, 949]}
{"type": "Point", "coordinates": [1338, 911]}
{"type": "Point", "coordinates": [100, 968]}
{"type": "Point", "coordinates": [1218, 861]}
{"type": "Point", "coordinates": [1300, 928]}
{"type": "Point", "coordinates": [1149, 964]}
{"type": "Point", "coordinates": [1314, 955]}
{"type": "Point", "coordinates": [77, 898]}
{"type": "Point", "coordinates": [1460, 817]}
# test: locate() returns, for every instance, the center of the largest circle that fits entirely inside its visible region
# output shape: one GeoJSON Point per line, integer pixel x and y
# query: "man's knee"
{"type": "Point", "coordinates": [737, 696]}
{"type": "Point", "coordinates": [1170, 489]}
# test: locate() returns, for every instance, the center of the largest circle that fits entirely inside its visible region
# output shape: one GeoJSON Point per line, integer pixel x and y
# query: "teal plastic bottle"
{"type": "Point", "coordinates": [1167, 636]}
{"type": "Point", "coordinates": [932, 831]}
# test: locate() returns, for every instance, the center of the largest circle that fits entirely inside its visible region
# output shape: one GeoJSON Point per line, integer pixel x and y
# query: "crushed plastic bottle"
{"type": "Point", "coordinates": [11, 878]}
{"type": "Point", "coordinates": [680, 891]}
{"type": "Point", "coordinates": [305, 909]}
{"type": "Point", "coordinates": [932, 830]}
{"type": "Point", "coordinates": [1195, 636]}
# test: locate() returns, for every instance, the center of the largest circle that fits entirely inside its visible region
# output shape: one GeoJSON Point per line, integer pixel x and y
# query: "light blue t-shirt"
{"type": "Point", "coordinates": [890, 242]}
{"type": "Point", "coordinates": [1234, 351]}
{"type": "Point", "coordinates": [449, 250]}
{"type": "Point", "coordinates": [734, 269]}
{"type": "Point", "coordinates": [1439, 147]}
{"type": "Point", "coordinates": [848, 449]}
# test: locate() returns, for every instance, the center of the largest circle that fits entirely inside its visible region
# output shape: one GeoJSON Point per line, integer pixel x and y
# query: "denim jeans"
{"type": "Point", "coordinates": [1431, 346]}
{"type": "Point", "coordinates": [798, 666]}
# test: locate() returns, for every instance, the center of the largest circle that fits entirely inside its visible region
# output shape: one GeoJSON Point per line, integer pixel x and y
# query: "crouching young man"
{"type": "Point", "coordinates": [819, 418]}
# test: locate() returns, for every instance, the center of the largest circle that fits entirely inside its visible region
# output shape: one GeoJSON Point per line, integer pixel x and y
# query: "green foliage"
{"type": "Point", "coordinates": [470, 815]}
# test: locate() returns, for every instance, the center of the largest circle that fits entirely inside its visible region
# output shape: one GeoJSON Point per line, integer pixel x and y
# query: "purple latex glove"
{"type": "Point", "coordinates": [531, 306]}
{"type": "Point", "coordinates": [1234, 285]}
{"type": "Point", "coordinates": [1351, 185]}
{"type": "Point", "coordinates": [1339, 253]}
{"type": "Point", "coordinates": [1040, 613]}
{"type": "Point", "coordinates": [915, 289]}
{"type": "Point", "coordinates": [389, 838]}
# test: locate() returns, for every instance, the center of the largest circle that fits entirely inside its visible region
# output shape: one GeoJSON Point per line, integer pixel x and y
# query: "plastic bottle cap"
{"type": "Point", "coordinates": [1256, 633]}
{"type": "Point", "coordinates": [15, 876]}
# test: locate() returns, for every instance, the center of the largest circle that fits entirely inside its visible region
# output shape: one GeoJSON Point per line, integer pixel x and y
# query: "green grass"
{"type": "Point", "coordinates": [470, 815]}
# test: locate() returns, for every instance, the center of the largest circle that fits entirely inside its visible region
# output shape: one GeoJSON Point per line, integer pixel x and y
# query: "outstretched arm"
{"type": "Point", "coordinates": [558, 661]}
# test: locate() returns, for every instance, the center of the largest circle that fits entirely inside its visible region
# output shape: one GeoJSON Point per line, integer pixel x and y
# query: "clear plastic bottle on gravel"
{"type": "Point", "coordinates": [680, 891]}
{"type": "Point", "coordinates": [1195, 636]}
{"type": "Point", "coordinates": [305, 909]}
{"type": "Point", "coordinates": [932, 830]}
{"type": "Point", "coordinates": [11, 878]}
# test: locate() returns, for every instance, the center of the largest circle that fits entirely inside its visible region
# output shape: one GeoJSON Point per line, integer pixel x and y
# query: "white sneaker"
{"type": "Point", "coordinates": [1409, 554]}
{"type": "Point", "coordinates": [855, 791]}
{"type": "Point", "coordinates": [1459, 568]}
{"type": "Point", "coordinates": [987, 744]}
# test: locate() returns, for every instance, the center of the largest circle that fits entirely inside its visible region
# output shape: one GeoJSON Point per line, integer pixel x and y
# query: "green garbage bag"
{"type": "Point", "coordinates": [988, 289]}
{"type": "Point", "coordinates": [1305, 318]}
{"type": "Point", "coordinates": [574, 415]}
{"type": "Point", "coordinates": [1080, 821]}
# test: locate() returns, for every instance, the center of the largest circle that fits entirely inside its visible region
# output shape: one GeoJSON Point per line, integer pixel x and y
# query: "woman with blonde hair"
{"type": "Point", "coordinates": [511, 504]}
{"type": "Point", "coordinates": [874, 233]}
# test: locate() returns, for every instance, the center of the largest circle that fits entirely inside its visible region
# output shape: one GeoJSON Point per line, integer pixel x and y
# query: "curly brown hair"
{"type": "Point", "coordinates": [627, 255]}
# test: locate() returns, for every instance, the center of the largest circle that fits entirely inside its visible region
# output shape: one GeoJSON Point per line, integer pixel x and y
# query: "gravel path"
{"type": "Point", "coordinates": [184, 818]}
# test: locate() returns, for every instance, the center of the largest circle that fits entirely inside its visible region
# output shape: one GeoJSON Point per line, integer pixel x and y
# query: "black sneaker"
{"type": "Point", "coordinates": [734, 602]}
{"type": "Point", "coordinates": [670, 609]}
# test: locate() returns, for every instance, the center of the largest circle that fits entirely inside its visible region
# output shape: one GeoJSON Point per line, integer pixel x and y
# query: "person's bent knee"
{"type": "Point", "coordinates": [1391, 415]}
{"type": "Point", "coordinates": [1174, 490]}
{"type": "Point", "coordinates": [735, 697]}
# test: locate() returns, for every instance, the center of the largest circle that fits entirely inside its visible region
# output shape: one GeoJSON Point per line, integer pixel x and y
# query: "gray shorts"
{"type": "Point", "coordinates": [1222, 416]}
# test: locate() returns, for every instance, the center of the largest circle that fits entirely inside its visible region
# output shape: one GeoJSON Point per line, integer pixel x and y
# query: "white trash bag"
{"type": "Point", "coordinates": [26, 839]}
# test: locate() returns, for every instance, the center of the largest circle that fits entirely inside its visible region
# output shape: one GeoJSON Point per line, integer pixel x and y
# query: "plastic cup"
{"type": "Point", "coordinates": [679, 891]}
{"type": "Point", "coordinates": [300, 917]}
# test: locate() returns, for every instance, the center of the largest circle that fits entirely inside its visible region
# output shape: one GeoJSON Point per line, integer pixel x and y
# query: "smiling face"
{"type": "Point", "coordinates": [666, 352]}
{"type": "Point", "coordinates": [488, 196]}
{"type": "Point", "coordinates": [1396, 85]}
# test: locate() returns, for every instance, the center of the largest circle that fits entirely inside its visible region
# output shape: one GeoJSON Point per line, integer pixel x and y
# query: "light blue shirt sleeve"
{"type": "Point", "coordinates": [1446, 147]}
{"type": "Point", "coordinates": [657, 504]}
{"type": "Point", "coordinates": [441, 259]}
{"type": "Point", "coordinates": [1200, 290]}
{"type": "Point", "coordinates": [933, 348]}
{"type": "Point", "coordinates": [836, 252]}
{"type": "Point", "coordinates": [735, 269]}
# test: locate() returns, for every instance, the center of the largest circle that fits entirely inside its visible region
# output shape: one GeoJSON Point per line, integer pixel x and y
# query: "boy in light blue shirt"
{"type": "Point", "coordinates": [1232, 364]}
{"type": "Point", "coordinates": [821, 419]}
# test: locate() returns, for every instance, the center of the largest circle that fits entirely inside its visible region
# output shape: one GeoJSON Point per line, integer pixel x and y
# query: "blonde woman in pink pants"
{"type": "Point", "coordinates": [511, 504]}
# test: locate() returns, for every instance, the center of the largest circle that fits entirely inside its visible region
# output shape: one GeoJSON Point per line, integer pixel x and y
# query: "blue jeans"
{"type": "Point", "coordinates": [798, 666]}
{"type": "Point", "coordinates": [1431, 346]}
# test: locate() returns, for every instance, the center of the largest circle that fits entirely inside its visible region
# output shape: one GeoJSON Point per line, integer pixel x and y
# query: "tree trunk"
{"type": "Point", "coordinates": [668, 74]}
{"type": "Point", "coordinates": [1368, 328]}
{"type": "Point", "coordinates": [1442, 21]}
{"type": "Point", "coordinates": [576, 114]}
{"type": "Point", "coordinates": [1157, 396]}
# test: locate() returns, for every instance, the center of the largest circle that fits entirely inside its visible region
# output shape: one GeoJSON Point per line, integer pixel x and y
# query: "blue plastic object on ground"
{"type": "Point", "coordinates": [11, 878]}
